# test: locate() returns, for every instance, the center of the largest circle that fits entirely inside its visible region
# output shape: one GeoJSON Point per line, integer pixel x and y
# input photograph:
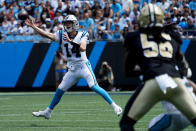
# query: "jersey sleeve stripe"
{"type": "Point", "coordinates": [83, 34]}
{"type": "Point", "coordinates": [60, 36]}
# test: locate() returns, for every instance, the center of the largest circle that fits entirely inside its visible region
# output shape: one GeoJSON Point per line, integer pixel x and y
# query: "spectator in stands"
{"type": "Point", "coordinates": [180, 11]}
{"type": "Point", "coordinates": [174, 3]}
{"type": "Point", "coordinates": [6, 8]}
{"type": "Point", "coordinates": [27, 30]}
{"type": "Point", "coordinates": [164, 5]}
{"type": "Point", "coordinates": [1, 2]}
{"type": "Point", "coordinates": [186, 15]}
{"type": "Point", "coordinates": [115, 22]}
{"type": "Point", "coordinates": [135, 25]}
{"type": "Point", "coordinates": [57, 25]}
{"type": "Point", "coordinates": [186, 8]}
{"type": "Point", "coordinates": [85, 7]}
{"type": "Point", "coordinates": [134, 14]}
{"type": "Point", "coordinates": [182, 24]}
{"type": "Point", "coordinates": [37, 10]}
{"type": "Point", "coordinates": [124, 31]}
{"type": "Point", "coordinates": [54, 4]}
{"type": "Point", "coordinates": [180, 14]}
{"type": "Point", "coordinates": [127, 5]}
{"type": "Point", "coordinates": [129, 25]}
{"type": "Point", "coordinates": [13, 24]}
{"type": "Point", "coordinates": [174, 14]}
{"type": "Point", "coordinates": [15, 7]}
{"type": "Point", "coordinates": [58, 15]}
{"type": "Point", "coordinates": [191, 27]}
{"type": "Point", "coordinates": [88, 24]}
{"type": "Point", "coordinates": [76, 4]}
{"type": "Point", "coordinates": [48, 25]}
{"type": "Point", "coordinates": [6, 25]}
{"type": "Point", "coordinates": [153, 2]}
{"type": "Point", "coordinates": [136, 2]}
{"type": "Point", "coordinates": [51, 12]}
{"type": "Point", "coordinates": [48, 4]}
{"type": "Point", "coordinates": [10, 13]}
{"type": "Point", "coordinates": [18, 30]}
{"type": "Point", "coordinates": [192, 4]}
{"type": "Point", "coordinates": [99, 24]}
{"type": "Point", "coordinates": [44, 14]}
{"type": "Point", "coordinates": [29, 7]}
{"type": "Point", "coordinates": [116, 8]}
{"type": "Point", "coordinates": [123, 20]}
{"type": "Point", "coordinates": [67, 7]}
{"type": "Point", "coordinates": [144, 4]}
{"type": "Point", "coordinates": [108, 14]}
{"type": "Point", "coordinates": [38, 21]}
{"type": "Point", "coordinates": [184, 3]}
{"type": "Point", "coordinates": [116, 33]}
{"type": "Point", "coordinates": [193, 15]}
{"type": "Point", "coordinates": [20, 8]}
{"type": "Point", "coordinates": [102, 3]}
{"type": "Point", "coordinates": [1, 31]}
{"type": "Point", "coordinates": [9, 2]}
{"type": "Point", "coordinates": [77, 13]}
{"type": "Point", "coordinates": [95, 8]}
{"type": "Point", "coordinates": [167, 18]}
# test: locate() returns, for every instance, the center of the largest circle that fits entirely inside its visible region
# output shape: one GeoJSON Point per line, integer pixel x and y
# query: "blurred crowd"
{"type": "Point", "coordinates": [104, 19]}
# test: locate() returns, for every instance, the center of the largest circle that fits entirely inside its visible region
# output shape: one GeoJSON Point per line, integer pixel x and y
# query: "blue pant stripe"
{"type": "Point", "coordinates": [92, 73]}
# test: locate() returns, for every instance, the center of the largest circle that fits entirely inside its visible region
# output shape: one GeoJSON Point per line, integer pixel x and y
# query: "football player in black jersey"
{"type": "Point", "coordinates": [156, 49]}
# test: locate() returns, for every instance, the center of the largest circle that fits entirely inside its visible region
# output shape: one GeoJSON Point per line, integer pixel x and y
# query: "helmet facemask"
{"type": "Point", "coordinates": [67, 23]}
{"type": "Point", "coordinates": [68, 26]}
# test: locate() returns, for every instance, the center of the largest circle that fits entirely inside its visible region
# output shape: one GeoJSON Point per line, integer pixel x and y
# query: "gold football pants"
{"type": "Point", "coordinates": [148, 95]}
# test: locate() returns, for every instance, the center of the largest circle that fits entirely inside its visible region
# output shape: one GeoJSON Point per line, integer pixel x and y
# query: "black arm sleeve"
{"type": "Point", "coordinates": [130, 60]}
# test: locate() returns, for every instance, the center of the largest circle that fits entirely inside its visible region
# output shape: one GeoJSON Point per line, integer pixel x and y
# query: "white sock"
{"type": "Point", "coordinates": [49, 110]}
{"type": "Point", "coordinates": [113, 105]}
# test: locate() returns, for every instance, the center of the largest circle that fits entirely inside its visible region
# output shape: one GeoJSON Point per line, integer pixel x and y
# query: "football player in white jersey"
{"type": "Point", "coordinates": [173, 119]}
{"type": "Point", "coordinates": [74, 43]}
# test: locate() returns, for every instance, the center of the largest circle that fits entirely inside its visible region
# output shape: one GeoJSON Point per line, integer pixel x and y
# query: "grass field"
{"type": "Point", "coordinates": [77, 111]}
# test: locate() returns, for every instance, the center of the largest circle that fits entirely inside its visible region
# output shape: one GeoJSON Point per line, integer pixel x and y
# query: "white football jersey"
{"type": "Point", "coordinates": [71, 52]}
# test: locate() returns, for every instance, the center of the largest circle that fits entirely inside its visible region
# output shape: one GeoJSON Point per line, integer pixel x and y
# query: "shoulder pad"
{"type": "Point", "coordinates": [176, 36]}
{"type": "Point", "coordinates": [172, 31]}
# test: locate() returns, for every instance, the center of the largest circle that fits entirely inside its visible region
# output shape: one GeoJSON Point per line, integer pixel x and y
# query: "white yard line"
{"type": "Point", "coordinates": [66, 127]}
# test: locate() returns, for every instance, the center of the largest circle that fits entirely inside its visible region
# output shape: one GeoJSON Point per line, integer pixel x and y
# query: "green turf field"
{"type": "Point", "coordinates": [77, 111]}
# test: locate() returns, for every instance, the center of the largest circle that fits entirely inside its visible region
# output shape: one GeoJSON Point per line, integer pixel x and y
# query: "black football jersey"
{"type": "Point", "coordinates": [154, 56]}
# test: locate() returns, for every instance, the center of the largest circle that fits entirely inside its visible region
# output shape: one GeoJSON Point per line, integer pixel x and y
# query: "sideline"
{"type": "Point", "coordinates": [66, 94]}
